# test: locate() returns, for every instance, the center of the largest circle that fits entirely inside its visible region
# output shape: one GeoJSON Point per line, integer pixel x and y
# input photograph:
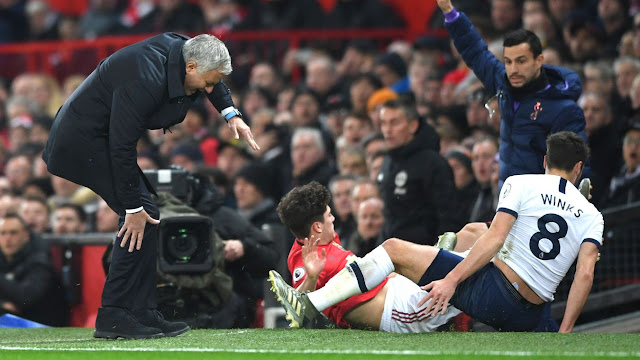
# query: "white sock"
{"type": "Point", "coordinates": [357, 277]}
{"type": "Point", "coordinates": [376, 266]}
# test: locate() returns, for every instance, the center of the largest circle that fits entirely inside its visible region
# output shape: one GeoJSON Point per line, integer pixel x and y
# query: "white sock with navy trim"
{"type": "Point", "coordinates": [376, 266]}
{"type": "Point", "coordinates": [357, 277]}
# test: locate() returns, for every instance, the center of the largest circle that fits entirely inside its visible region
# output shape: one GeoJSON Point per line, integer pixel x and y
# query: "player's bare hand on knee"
{"type": "Point", "coordinates": [133, 229]}
{"type": "Point", "coordinates": [445, 5]}
{"type": "Point", "coordinates": [313, 263]}
{"type": "Point", "coordinates": [440, 292]}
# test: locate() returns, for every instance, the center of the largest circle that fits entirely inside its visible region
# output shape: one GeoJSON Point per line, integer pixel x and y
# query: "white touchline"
{"type": "Point", "coordinates": [328, 351]}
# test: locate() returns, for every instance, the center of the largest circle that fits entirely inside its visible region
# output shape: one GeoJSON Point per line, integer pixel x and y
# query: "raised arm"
{"type": "Point", "coordinates": [472, 48]}
{"type": "Point", "coordinates": [313, 264]}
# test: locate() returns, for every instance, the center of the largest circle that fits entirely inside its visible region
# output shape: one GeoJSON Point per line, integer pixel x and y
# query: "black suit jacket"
{"type": "Point", "coordinates": [94, 136]}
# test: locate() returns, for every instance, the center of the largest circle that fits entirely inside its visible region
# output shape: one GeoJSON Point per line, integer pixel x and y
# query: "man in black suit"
{"type": "Point", "coordinates": [148, 85]}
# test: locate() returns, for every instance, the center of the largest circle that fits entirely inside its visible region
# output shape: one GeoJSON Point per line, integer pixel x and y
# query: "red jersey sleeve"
{"type": "Point", "coordinates": [337, 259]}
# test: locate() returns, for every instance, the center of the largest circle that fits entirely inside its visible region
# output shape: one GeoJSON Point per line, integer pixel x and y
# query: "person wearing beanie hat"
{"type": "Point", "coordinates": [392, 72]}
{"type": "Point", "coordinates": [380, 97]}
{"type": "Point", "coordinates": [252, 188]}
{"type": "Point", "coordinates": [375, 102]}
{"type": "Point", "coordinates": [186, 155]}
{"type": "Point", "coordinates": [467, 187]}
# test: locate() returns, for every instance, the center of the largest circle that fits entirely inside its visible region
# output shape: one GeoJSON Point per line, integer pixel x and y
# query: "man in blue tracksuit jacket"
{"type": "Point", "coordinates": [535, 100]}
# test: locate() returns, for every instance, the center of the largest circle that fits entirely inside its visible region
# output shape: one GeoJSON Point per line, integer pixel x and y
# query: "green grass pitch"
{"type": "Point", "coordinates": [330, 344]}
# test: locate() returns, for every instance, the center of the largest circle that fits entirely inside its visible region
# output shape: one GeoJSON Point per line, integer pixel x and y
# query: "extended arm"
{"type": "Point", "coordinates": [481, 253]}
{"type": "Point", "coordinates": [581, 285]}
{"type": "Point", "coordinates": [220, 97]}
{"type": "Point", "coordinates": [472, 48]}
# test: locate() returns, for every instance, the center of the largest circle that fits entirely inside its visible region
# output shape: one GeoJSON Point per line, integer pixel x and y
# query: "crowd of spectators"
{"type": "Point", "coordinates": [37, 20]}
{"type": "Point", "coordinates": [327, 127]}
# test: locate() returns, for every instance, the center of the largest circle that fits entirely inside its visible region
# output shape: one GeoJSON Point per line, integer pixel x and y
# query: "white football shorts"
{"type": "Point", "coordinates": [401, 313]}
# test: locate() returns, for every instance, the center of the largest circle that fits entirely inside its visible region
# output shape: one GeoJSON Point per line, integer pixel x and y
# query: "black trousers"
{"type": "Point", "coordinates": [131, 282]}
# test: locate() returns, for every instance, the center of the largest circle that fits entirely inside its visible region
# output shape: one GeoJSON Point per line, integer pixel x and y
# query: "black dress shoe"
{"type": "Point", "coordinates": [153, 318]}
{"type": "Point", "coordinates": [114, 322]}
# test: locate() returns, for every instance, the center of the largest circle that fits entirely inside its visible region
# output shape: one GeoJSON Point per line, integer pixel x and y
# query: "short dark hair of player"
{"type": "Point", "coordinates": [565, 149]}
{"type": "Point", "coordinates": [520, 36]}
{"type": "Point", "coordinates": [303, 206]}
{"type": "Point", "coordinates": [79, 210]}
{"type": "Point", "coordinates": [406, 106]}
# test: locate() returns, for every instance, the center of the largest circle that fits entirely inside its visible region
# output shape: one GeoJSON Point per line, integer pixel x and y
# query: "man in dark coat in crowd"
{"type": "Point", "coordinates": [148, 85]}
{"type": "Point", "coordinates": [29, 287]}
{"type": "Point", "coordinates": [415, 182]}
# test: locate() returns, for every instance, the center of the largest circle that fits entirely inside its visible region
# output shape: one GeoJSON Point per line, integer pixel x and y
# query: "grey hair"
{"type": "Point", "coordinates": [209, 53]}
{"type": "Point", "coordinates": [340, 177]}
{"type": "Point", "coordinates": [604, 67]}
{"type": "Point", "coordinates": [315, 134]}
{"type": "Point", "coordinates": [624, 60]}
{"type": "Point", "coordinates": [583, 98]}
{"type": "Point", "coordinates": [365, 180]}
{"type": "Point", "coordinates": [325, 61]}
{"type": "Point", "coordinates": [30, 105]}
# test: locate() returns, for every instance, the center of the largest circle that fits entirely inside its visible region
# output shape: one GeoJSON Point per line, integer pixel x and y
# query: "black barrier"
{"type": "Point", "coordinates": [79, 239]}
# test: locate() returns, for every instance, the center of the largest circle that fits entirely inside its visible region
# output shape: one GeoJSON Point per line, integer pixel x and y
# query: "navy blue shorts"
{"type": "Point", "coordinates": [487, 296]}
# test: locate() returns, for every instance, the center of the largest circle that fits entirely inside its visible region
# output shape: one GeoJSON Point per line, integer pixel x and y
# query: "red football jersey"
{"type": "Point", "coordinates": [337, 258]}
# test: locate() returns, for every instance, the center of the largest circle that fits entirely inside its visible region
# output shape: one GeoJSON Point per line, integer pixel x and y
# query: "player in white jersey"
{"type": "Point", "coordinates": [553, 220]}
{"type": "Point", "coordinates": [542, 225]}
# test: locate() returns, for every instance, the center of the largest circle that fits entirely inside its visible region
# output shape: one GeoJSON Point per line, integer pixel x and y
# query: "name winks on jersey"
{"type": "Point", "coordinates": [564, 205]}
